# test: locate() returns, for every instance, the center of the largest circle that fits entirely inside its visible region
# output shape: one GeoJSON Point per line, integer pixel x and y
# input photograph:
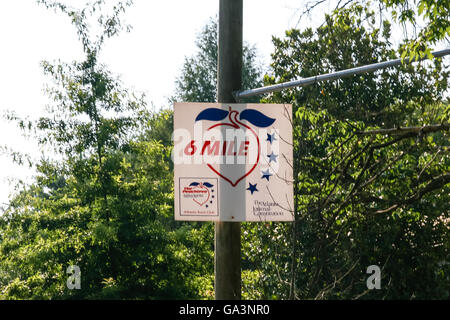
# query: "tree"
{"type": "Point", "coordinates": [434, 13]}
{"type": "Point", "coordinates": [371, 170]}
{"type": "Point", "coordinates": [427, 20]}
{"type": "Point", "coordinates": [104, 202]}
{"type": "Point", "coordinates": [198, 79]}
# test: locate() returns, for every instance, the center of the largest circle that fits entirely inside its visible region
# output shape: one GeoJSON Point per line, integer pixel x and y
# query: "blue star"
{"type": "Point", "coordinates": [272, 157]}
{"type": "Point", "coordinates": [271, 137]}
{"type": "Point", "coordinates": [252, 187]}
{"type": "Point", "coordinates": [266, 174]}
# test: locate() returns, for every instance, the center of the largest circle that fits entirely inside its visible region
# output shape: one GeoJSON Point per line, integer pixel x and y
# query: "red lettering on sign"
{"type": "Point", "coordinates": [211, 150]}
{"type": "Point", "coordinates": [228, 148]}
{"type": "Point", "coordinates": [244, 148]}
{"type": "Point", "coordinates": [190, 149]}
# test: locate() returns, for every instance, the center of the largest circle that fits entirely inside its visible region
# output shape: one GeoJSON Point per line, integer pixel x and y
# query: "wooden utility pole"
{"type": "Point", "coordinates": [227, 236]}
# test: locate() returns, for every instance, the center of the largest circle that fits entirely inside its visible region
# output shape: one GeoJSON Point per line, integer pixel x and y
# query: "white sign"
{"type": "Point", "coordinates": [233, 162]}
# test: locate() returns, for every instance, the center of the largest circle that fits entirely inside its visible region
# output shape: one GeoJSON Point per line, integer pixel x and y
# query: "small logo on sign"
{"type": "Point", "coordinates": [198, 196]}
{"type": "Point", "coordinates": [199, 192]}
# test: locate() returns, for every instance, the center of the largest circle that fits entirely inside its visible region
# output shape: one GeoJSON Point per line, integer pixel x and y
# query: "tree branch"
{"type": "Point", "coordinates": [434, 184]}
{"type": "Point", "coordinates": [401, 131]}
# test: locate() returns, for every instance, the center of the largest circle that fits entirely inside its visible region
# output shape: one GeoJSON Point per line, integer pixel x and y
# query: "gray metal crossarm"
{"type": "Point", "coordinates": [330, 76]}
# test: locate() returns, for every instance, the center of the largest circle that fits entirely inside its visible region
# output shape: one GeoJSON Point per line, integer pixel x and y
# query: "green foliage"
{"type": "Point", "coordinates": [436, 17]}
{"type": "Point", "coordinates": [425, 23]}
{"type": "Point", "coordinates": [105, 202]}
{"type": "Point", "coordinates": [361, 198]}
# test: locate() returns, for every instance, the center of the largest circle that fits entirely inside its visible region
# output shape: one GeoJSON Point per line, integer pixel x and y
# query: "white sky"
{"type": "Point", "coordinates": [148, 59]}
